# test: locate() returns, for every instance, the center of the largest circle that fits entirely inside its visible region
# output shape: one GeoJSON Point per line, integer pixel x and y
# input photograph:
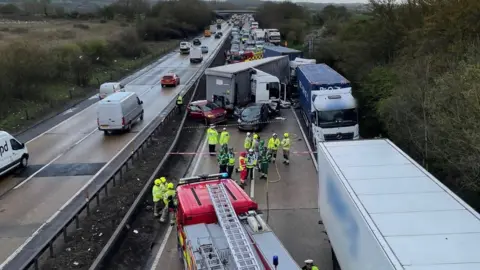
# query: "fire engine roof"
{"type": "Point", "coordinates": [196, 204]}
{"type": "Point", "coordinates": [266, 242]}
{"type": "Point", "coordinates": [239, 67]}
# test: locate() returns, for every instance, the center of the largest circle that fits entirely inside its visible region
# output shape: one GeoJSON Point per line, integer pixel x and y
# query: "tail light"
{"type": "Point", "coordinates": [123, 121]}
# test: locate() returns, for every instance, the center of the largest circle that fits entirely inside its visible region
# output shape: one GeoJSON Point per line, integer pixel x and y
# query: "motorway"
{"type": "Point", "coordinates": [292, 209]}
{"type": "Point", "coordinates": [65, 158]}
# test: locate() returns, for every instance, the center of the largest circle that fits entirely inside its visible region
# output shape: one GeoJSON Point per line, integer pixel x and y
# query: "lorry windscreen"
{"type": "Point", "coordinates": [337, 118]}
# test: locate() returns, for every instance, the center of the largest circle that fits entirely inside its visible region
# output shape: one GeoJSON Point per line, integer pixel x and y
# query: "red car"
{"type": "Point", "coordinates": [207, 111]}
{"type": "Point", "coordinates": [170, 79]}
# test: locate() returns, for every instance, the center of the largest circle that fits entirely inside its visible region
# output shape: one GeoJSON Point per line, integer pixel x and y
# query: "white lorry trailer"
{"type": "Point", "coordinates": [242, 83]}
{"type": "Point", "coordinates": [383, 211]}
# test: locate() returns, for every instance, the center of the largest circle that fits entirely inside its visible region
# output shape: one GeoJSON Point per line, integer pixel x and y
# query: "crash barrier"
{"type": "Point", "coordinates": [277, 120]}
{"type": "Point", "coordinates": [28, 255]}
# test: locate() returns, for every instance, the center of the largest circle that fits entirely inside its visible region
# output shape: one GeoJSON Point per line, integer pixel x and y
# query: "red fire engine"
{"type": "Point", "coordinates": [218, 227]}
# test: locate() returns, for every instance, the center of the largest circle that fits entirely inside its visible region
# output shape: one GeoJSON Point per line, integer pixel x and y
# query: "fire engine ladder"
{"type": "Point", "coordinates": [237, 239]}
{"type": "Point", "coordinates": [211, 258]}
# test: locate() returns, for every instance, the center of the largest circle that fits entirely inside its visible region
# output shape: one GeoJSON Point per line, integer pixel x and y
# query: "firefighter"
{"type": "Point", "coordinates": [179, 103]}
{"type": "Point", "coordinates": [157, 194]}
{"type": "Point", "coordinates": [256, 144]}
{"type": "Point", "coordinates": [224, 137]}
{"type": "Point", "coordinates": [223, 158]}
{"type": "Point", "coordinates": [248, 141]}
{"type": "Point", "coordinates": [169, 201]}
{"type": "Point", "coordinates": [264, 160]}
{"type": "Point", "coordinates": [273, 144]}
{"type": "Point", "coordinates": [231, 162]}
{"type": "Point", "coordinates": [251, 163]}
{"type": "Point", "coordinates": [212, 136]}
{"type": "Point", "coordinates": [242, 168]}
{"type": "Point", "coordinates": [309, 265]}
{"type": "Point", "coordinates": [286, 148]}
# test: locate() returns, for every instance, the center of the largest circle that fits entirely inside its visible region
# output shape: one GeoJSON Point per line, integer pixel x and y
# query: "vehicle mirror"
{"type": "Point", "coordinates": [23, 145]}
{"type": "Point", "coordinates": [140, 102]}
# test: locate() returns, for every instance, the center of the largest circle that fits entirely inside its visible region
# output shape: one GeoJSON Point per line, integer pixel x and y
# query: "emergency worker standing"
{"type": "Point", "coordinates": [179, 103]}
{"type": "Point", "coordinates": [264, 160]}
{"type": "Point", "coordinates": [212, 136]}
{"type": "Point", "coordinates": [231, 162]}
{"type": "Point", "coordinates": [223, 159]}
{"type": "Point", "coordinates": [273, 144]}
{"type": "Point", "coordinates": [286, 148]}
{"type": "Point", "coordinates": [169, 201]}
{"type": "Point", "coordinates": [251, 163]}
{"type": "Point", "coordinates": [255, 144]}
{"type": "Point", "coordinates": [158, 190]}
{"type": "Point", "coordinates": [224, 137]}
{"type": "Point", "coordinates": [248, 141]}
{"type": "Point", "coordinates": [309, 265]}
{"type": "Point", "coordinates": [242, 168]}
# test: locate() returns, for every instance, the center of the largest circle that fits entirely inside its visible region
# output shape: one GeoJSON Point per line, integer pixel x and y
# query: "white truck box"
{"type": "Point", "coordinates": [383, 211]}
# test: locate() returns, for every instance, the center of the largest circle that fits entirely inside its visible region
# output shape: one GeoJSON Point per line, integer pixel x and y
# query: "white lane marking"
{"type": "Point", "coordinates": [53, 160]}
{"type": "Point", "coordinates": [19, 249]}
{"type": "Point", "coordinates": [68, 111]}
{"type": "Point", "coordinates": [93, 97]}
{"type": "Point", "coordinates": [305, 139]}
{"type": "Point", "coordinates": [169, 231]}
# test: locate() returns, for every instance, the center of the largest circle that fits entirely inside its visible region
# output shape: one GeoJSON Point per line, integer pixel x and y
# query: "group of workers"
{"type": "Point", "coordinates": [164, 194]}
{"type": "Point", "coordinates": [256, 154]}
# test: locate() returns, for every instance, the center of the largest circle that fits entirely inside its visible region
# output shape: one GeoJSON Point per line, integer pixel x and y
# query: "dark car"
{"type": "Point", "coordinates": [206, 111]}
{"type": "Point", "coordinates": [217, 36]}
{"type": "Point", "coordinates": [254, 117]}
{"type": "Point", "coordinates": [197, 42]}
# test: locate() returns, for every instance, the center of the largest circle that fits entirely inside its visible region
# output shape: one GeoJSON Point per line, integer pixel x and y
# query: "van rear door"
{"type": "Point", "coordinates": [110, 116]}
{"type": "Point", "coordinates": [5, 154]}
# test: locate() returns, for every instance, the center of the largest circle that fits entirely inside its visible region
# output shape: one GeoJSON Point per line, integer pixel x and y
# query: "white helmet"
{"type": "Point", "coordinates": [248, 134]}
{"type": "Point", "coordinates": [224, 129]}
{"type": "Point", "coordinates": [309, 261]}
{"type": "Point", "coordinates": [250, 151]}
{"type": "Point", "coordinates": [274, 134]}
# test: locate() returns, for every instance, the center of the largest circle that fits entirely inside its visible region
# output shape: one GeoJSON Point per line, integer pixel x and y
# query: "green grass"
{"type": "Point", "coordinates": [23, 114]}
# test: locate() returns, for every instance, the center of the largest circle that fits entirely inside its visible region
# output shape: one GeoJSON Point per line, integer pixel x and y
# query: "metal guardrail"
{"type": "Point", "coordinates": [31, 253]}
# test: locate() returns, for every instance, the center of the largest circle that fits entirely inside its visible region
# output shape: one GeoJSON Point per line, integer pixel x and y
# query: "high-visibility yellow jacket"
{"type": "Point", "coordinates": [157, 192]}
{"type": "Point", "coordinates": [248, 143]}
{"type": "Point", "coordinates": [241, 163]}
{"type": "Point", "coordinates": [224, 137]}
{"type": "Point", "coordinates": [251, 161]}
{"type": "Point", "coordinates": [179, 100]}
{"type": "Point", "coordinates": [273, 143]}
{"type": "Point", "coordinates": [212, 135]}
{"type": "Point", "coordinates": [168, 193]}
{"type": "Point", "coordinates": [286, 144]}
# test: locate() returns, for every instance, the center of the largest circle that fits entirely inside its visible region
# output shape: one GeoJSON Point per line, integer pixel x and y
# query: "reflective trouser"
{"type": "Point", "coordinates": [286, 155]}
{"type": "Point", "coordinates": [264, 167]}
{"type": "Point", "coordinates": [230, 170]}
{"type": "Point", "coordinates": [274, 154]}
{"type": "Point", "coordinates": [166, 211]}
{"type": "Point", "coordinates": [157, 207]}
{"type": "Point", "coordinates": [211, 149]}
{"type": "Point", "coordinates": [243, 175]}
{"type": "Point", "coordinates": [223, 168]}
{"type": "Point", "coordinates": [249, 173]}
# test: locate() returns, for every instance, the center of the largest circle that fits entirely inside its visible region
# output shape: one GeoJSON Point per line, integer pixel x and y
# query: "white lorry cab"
{"type": "Point", "coordinates": [109, 88]}
{"type": "Point", "coordinates": [118, 112]}
{"type": "Point", "coordinates": [196, 56]}
{"type": "Point", "coordinates": [13, 154]}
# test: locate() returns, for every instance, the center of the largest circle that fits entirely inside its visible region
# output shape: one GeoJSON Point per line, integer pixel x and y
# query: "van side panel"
{"type": "Point", "coordinates": [131, 109]}
{"type": "Point", "coordinates": [355, 245]}
{"type": "Point", "coordinates": [5, 153]}
{"type": "Point", "coordinates": [110, 116]}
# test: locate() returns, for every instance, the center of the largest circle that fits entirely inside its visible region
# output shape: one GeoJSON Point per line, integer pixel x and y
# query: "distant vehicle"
{"type": "Point", "coordinates": [235, 41]}
{"type": "Point", "coordinates": [217, 36]}
{"type": "Point", "coordinates": [207, 111]}
{"type": "Point", "coordinates": [118, 112]}
{"type": "Point", "coordinates": [207, 33]}
{"type": "Point", "coordinates": [109, 88]}
{"type": "Point", "coordinates": [13, 154]}
{"type": "Point", "coordinates": [245, 37]}
{"type": "Point", "coordinates": [254, 117]}
{"type": "Point", "coordinates": [170, 79]}
{"type": "Point", "coordinates": [250, 48]}
{"type": "Point", "coordinates": [204, 49]}
{"type": "Point", "coordinates": [220, 33]}
{"type": "Point", "coordinates": [196, 56]}
{"type": "Point", "coordinates": [184, 48]}
{"type": "Point", "coordinates": [197, 42]}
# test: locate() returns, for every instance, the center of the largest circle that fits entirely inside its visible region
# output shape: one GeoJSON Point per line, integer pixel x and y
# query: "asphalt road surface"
{"type": "Point", "coordinates": [66, 157]}
{"type": "Point", "coordinates": [292, 209]}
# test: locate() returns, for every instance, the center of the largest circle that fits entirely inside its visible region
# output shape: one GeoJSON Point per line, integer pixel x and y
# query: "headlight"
{"type": "Point", "coordinates": [239, 121]}
{"type": "Point", "coordinates": [210, 116]}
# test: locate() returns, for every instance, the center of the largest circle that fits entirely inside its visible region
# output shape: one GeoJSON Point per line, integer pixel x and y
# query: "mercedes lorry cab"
{"type": "Point", "coordinates": [13, 153]}
{"type": "Point", "coordinates": [119, 112]}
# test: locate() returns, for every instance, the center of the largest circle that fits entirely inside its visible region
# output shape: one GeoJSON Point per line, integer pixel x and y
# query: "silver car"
{"type": "Point", "coordinates": [204, 49]}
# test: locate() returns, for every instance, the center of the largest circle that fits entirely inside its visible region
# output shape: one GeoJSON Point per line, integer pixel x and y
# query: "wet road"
{"type": "Point", "coordinates": [292, 209]}
{"type": "Point", "coordinates": [66, 157]}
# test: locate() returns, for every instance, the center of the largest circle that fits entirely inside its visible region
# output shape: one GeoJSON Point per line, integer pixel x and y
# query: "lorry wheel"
{"type": "Point", "coordinates": [106, 133]}
{"type": "Point", "coordinates": [24, 162]}
{"type": "Point", "coordinates": [163, 85]}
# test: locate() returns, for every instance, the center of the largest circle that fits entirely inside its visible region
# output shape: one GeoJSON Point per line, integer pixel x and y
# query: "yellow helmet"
{"type": "Point", "coordinates": [285, 135]}
{"type": "Point", "coordinates": [163, 180]}
{"type": "Point", "coordinates": [255, 136]}
{"type": "Point", "coordinates": [157, 182]}
{"type": "Point", "coordinates": [170, 185]}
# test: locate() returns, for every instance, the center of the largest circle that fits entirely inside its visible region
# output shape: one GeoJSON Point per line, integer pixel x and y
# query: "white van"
{"type": "Point", "coordinates": [196, 55]}
{"type": "Point", "coordinates": [119, 111]}
{"type": "Point", "coordinates": [109, 88]}
{"type": "Point", "coordinates": [13, 154]}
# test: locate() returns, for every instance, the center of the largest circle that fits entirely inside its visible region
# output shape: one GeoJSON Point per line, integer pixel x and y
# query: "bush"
{"type": "Point", "coordinates": [127, 44]}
